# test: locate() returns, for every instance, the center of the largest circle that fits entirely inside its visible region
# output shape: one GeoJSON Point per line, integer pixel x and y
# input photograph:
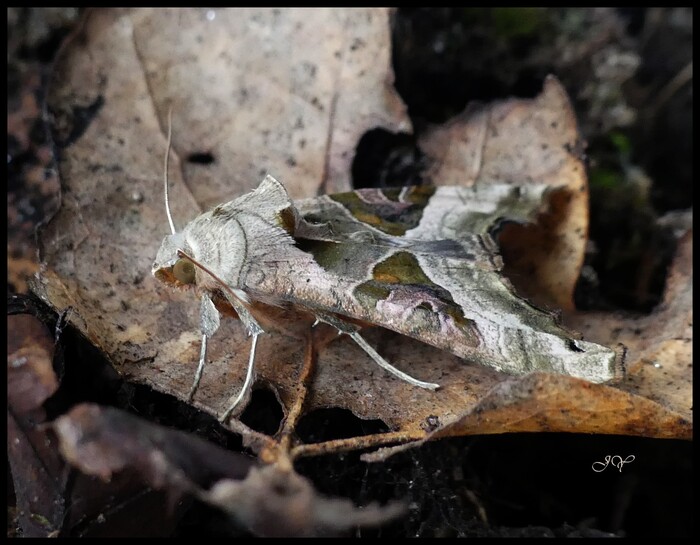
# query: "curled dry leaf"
{"type": "Point", "coordinates": [102, 441]}
{"type": "Point", "coordinates": [523, 142]}
{"type": "Point", "coordinates": [37, 471]}
{"type": "Point", "coordinates": [112, 89]}
{"type": "Point", "coordinates": [52, 500]}
{"type": "Point", "coordinates": [30, 376]}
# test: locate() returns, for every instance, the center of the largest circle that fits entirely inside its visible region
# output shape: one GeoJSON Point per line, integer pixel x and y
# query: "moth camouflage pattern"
{"type": "Point", "coordinates": [415, 260]}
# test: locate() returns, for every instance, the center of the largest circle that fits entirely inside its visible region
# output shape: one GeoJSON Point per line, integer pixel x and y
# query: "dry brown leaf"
{"type": "Point", "coordinates": [523, 142]}
{"type": "Point", "coordinates": [113, 87]}
{"type": "Point", "coordinates": [279, 91]}
{"type": "Point", "coordinates": [38, 473]}
{"type": "Point", "coordinates": [51, 499]}
{"type": "Point", "coordinates": [659, 345]}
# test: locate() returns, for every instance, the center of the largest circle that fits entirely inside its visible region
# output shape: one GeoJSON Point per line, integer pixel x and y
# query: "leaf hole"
{"type": "Point", "coordinates": [201, 158]}
{"type": "Point", "coordinates": [386, 159]}
{"type": "Point", "coordinates": [264, 413]}
{"type": "Point", "coordinates": [330, 424]}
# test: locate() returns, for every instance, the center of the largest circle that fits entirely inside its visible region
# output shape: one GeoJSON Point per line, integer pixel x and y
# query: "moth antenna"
{"type": "Point", "coordinates": [165, 171]}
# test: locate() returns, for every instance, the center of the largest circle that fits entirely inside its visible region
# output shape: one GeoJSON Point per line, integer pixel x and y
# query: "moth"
{"type": "Point", "coordinates": [415, 260]}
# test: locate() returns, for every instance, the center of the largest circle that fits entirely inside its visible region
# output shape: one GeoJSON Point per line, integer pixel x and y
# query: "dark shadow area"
{"type": "Point", "coordinates": [264, 412]}
{"type": "Point", "coordinates": [527, 485]}
{"type": "Point", "coordinates": [384, 159]}
{"type": "Point", "coordinates": [329, 424]}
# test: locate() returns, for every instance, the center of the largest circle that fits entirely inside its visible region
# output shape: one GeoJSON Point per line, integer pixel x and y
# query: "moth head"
{"type": "Point", "coordinates": [170, 267]}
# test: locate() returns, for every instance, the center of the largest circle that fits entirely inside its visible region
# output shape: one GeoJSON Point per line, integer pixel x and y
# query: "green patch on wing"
{"type": "Point", "coordinates": [287, 220]}
{"type": "Point", "coordinates": [402, 272]}
{"type": "Point", "coordinates": [392, 211]}
{"type": "Point", "coordinates": [402, 268]}
{"type": "Point", "coordinates": [329, 255]}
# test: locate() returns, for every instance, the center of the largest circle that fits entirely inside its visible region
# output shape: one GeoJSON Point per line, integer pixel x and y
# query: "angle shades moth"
{"type": "Point", "coordinates": [416, 260]}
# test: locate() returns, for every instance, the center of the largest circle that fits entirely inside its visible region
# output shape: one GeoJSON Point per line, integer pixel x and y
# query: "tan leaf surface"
{"type": "Point", "coordinates": [520, 142]}
{"type": "Point", "coordinates": [659, 346]}
{"type": "Point", "coordinates": [237, 96]}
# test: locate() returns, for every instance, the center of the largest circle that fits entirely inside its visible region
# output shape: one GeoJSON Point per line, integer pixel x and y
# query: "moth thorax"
{"type": "Point", "coordinates": [220, 246]}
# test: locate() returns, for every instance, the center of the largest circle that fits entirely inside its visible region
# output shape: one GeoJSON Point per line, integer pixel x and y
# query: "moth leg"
{"type": "Point", "coordinates": [249, 377]}
{"type": "Point", "coordinates": [200, 368]}
{"type": "Point", "coordinates": [372, 353]}
{"type": "Point", "coordinates": [352, 331]}
{"type": "Point", "coordinates": [209, 321]}
{"type": "Point", "coordinates": [254, 330]}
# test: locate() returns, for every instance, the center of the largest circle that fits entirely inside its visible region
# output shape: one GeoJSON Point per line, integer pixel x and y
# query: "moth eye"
{"type": "Point", "coordinates": [184, 271]}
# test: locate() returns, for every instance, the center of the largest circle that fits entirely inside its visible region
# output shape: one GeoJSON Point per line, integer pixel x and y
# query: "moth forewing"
{"type": "Point", "coordinates": [430, 271]}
